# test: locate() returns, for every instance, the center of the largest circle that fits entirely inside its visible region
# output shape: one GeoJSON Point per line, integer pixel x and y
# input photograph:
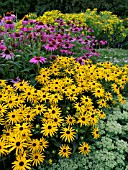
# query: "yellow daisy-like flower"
{"type": "Point", "coordinates": [39, 109]}
{"type": "Point", "coordinates": [99, 92]}
{"type": "Point", "coordinates": [83, 120]}
{"type": "Point", "coordinates": [37, 158]}
{"type": "Point", "coordinates": [16, 142]}
{"type": "Point", "coordinates": [70, 120]}
{"type": "Point", "coordinates": [3, 147]}
{"type": "Point", "coordinates": [84, 148]}
{"type": "Point", "coordinates": [49, 129]}
{"type": "Point", "coordinates": [34, 145]}
{"type": "Point", "coordinates": [86, 100]}
{"type": "Point", "coordinates": [21, 163]}
{"type": "Point", "coordinates": [68, 134]}
{"type": "Point", "coordinates": [43, 144]}
{"type": "Point", "coordinates": [65, 151]}
{"type": "Point", "coordinates": [95, 133]}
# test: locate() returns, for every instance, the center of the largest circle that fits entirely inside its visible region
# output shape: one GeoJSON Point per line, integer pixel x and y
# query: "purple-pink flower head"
{"type": "Point", "coordinates": [38, 59]}
{"type": "Point", "coordinates": [25, 21]}
{"type": "Point", "coordinates": [103, 42]}
{"type": "Point", "coordinates": [7, 54]}
{"type": "Point", "coordinates": [52, 57]}
{"type": "Point", "coordinates": [80, 60]}
{"type": "Point", "coordinates": [9, 25]}
{"type": "Point", "coordinates": [8, 16]}
{"type": "Point", "coordinates": [15, 80]}
{"type": "Point", "coordinates": [50, 47]}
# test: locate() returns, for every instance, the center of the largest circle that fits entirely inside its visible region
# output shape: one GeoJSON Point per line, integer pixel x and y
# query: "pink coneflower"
{"type": "Point", "coordinates": [13, 15]}
{"type": "Point", "coordinates": [40, 25]}
{"type": "Point", "coordinates": [64, 51]}
{"type": "Point", "coordinates": [17, 35]}
{"type": "Point", "coordinates": [80, 60]}
{"type": "Point", "coordinates": [93, 52]}
{"type": "Point", "coordinates": [15, 80]}
{"type": "Point", "coordinates": [7, 54]}
{"type": "Point", "coordinates": [90, 36]}
{"type": "Point", "coordinates": [50, 47]}
{"type": "Point", "coordinates": [25, 21]}
{"type": "Point", "coordinates": [52, 57]}
{"type": "Point", "coordinates": [67, 45]}
{"type": "Point", "coordinates": [38, 59]}
{"type": "Point", "coordinates": [2, 47]}
{"type": "Point", "coordinates": [1, 21]}
{"type": "Point", "coordinates": [8, 16]}
{"type": "Point", "coordinates": [9, 25]}
{"type": "Point", "coordinates": [103, 42]}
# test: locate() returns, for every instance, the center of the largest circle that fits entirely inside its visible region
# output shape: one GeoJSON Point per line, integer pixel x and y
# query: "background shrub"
{"type": "Point", "coordinates": [118, 7]}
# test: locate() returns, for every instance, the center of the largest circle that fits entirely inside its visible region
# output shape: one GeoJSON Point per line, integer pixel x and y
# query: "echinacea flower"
{"type": "Point", "coordinates": [15, 80]}
{"type": "Point", "coordinates": [38, 59]}
{"type": "Point", "coordinates": [25, 21]}
{"type": "Point", "coordinates": [50, 47]}
{"type": "Point", "coordinates": [9, 25]}
{"type": "Point", "coordinates": [8, 16]}
{"type": "Point", "coordinates": [7, 54]}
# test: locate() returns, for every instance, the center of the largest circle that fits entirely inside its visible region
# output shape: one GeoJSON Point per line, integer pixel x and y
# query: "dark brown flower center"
{"type": "Point", "coordinates": [37, 58]}
{"type": "Point", "coordinates": [34, 144]}
{"type": "Point", "coordinates": [36, 157]}
{"type": "Point", "coordinates": [64, 150]}
{"type": "Point", "coordinates": [8, 22]}
{"type": "Point", "coordinates": [21, 128]}
{"type": "Point", "coordinates": [49, 127]}
{"type": "Point", "coordinates": [21, 163]}
{"type": "Point", "coordinates": [7, 51]}
{"type": "Point", "coordinates": [68, 132]}
{"type": "Point", "coordinates": [17, 143]}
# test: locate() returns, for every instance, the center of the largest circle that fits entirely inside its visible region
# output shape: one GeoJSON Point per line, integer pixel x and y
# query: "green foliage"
{"type": "Point", "coordinates": [118, 7]}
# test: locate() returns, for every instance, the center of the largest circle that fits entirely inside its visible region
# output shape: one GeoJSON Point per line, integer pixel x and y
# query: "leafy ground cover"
{"type": "Point", "coordinates": [116, 56]}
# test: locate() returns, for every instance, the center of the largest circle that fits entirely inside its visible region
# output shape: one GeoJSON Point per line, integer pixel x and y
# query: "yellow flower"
{"type": "Point", "coordinates": [21, 163]}
{"type": "Point", "coordinates": [68, 134]}
{"type": "Point", "coordinates": [65, 151]}
{"type": "Point", "coordinates": [37, 158]}
{"type": "Point", "coordinates": [84, 148]}
{"type": "Point", "coordinates": [95, 133]}
{"type": "Point", "coordinates": [49, 129]}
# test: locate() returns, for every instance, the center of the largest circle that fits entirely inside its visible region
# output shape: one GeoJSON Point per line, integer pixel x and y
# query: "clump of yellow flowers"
{"type": "Point", "coordinates": [60, 115]}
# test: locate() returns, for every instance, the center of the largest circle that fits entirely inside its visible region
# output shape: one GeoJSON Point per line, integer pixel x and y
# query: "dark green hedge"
{"type": "Point", "coordinates": [21, 7]}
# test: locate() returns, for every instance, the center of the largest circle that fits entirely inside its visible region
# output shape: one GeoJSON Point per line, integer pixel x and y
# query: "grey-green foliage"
{"type": "Point", "coordinates": [108, 153]}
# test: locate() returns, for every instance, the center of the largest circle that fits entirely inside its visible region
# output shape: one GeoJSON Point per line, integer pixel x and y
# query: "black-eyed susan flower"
{"type": "Point", "coordinates": [21, 163]}
{"type": "Point", "coordinates": [34, 145]}
{"type": "Point", "coordinates": [54, 111]}
{"type": "Point", "coordinates": [13, 117]}
{"type": "Point", "coordinates": [65, 151]}
{"type": "Point", "coordinates": [37, 158]}
{"type": "Point", "coordinates": [68, 134]}
{"type": "Point", "coordinates": [49, 129]}
{"type": "Point", "coordinates": [3, 150]}
{"type": "Point", "coordinates": [39, 109]}
{"type": "Point", "coordinates": [83, 120]}
{"type": "Point", "coordinates": [21, 129]}
{"type": "Point", "coordinates": [16, 142]}
{"type": "Point", "coordinates": [95, 133]}
{"type": "Point", "coordinates": [70, 120]}
{"type": "Point", "coordinates": [99, 92]}
{"type": "Point", "coordinates": [43, 144]}
{"type": "Point", "coordinates": [84, 148]}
